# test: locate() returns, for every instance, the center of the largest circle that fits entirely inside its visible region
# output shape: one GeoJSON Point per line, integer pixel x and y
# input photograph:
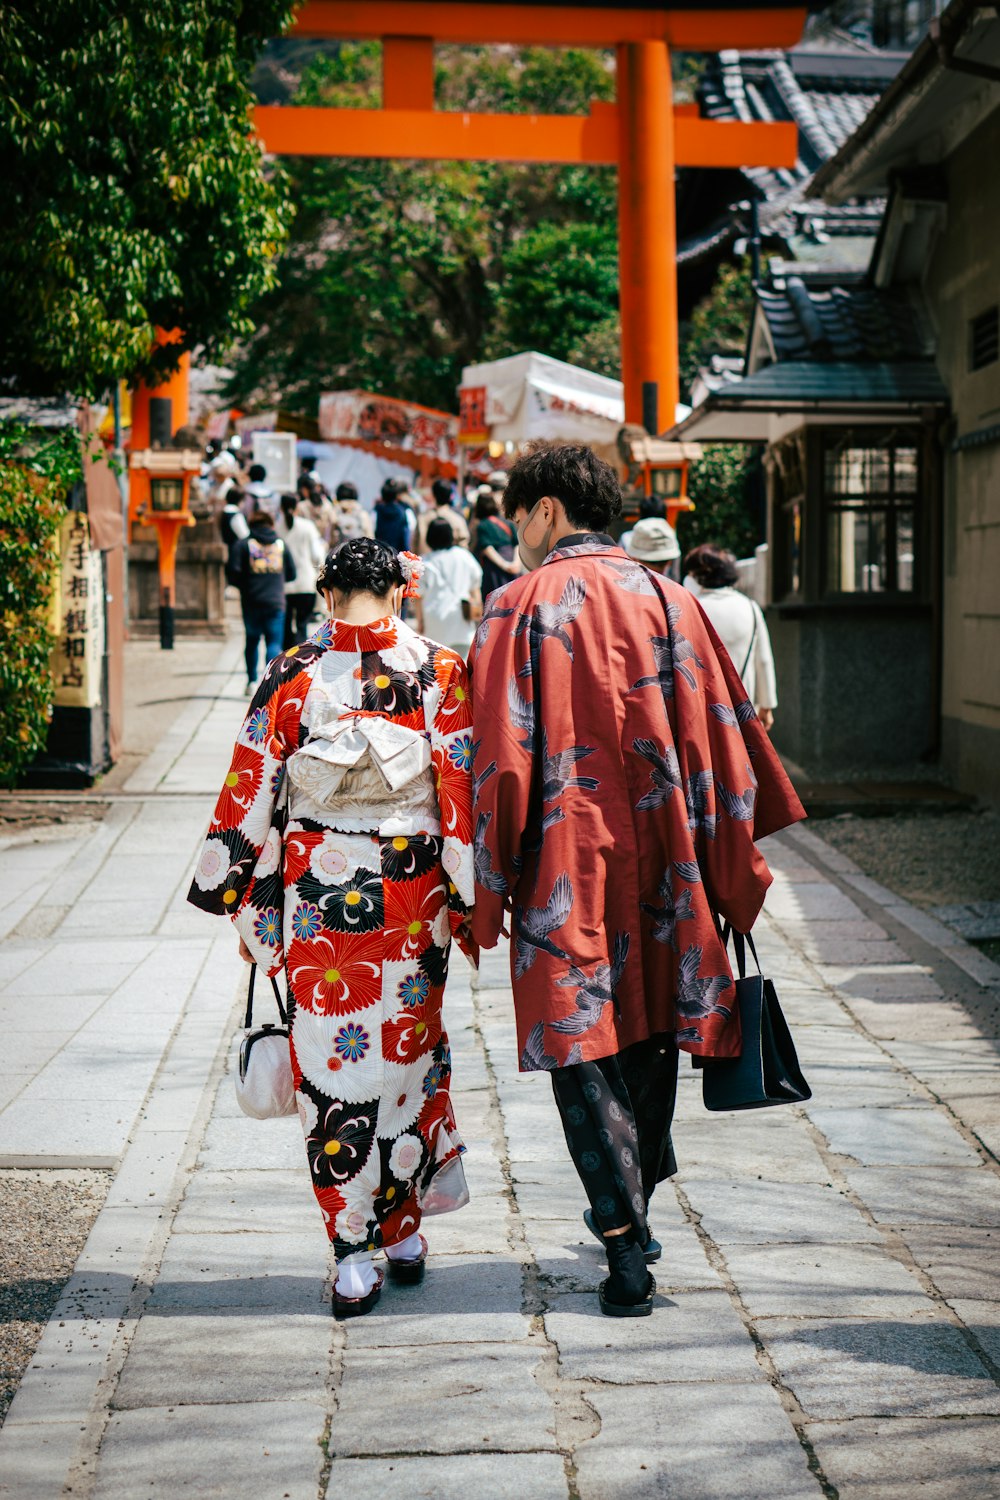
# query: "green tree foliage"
{"type": "Point", "coordinates": [35, 477]}
{"type": "Point", "coordinates": [720, 322]}
{"type": "Point", "coordinates": [134, 192]}
{"type": "Point", "coordinates": [722, 484]}
{"type": "Point", "coordinates": [399, 273]}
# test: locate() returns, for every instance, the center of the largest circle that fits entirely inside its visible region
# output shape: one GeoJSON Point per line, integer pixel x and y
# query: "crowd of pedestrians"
{"type": "Point", "coordinates": [276, 544]}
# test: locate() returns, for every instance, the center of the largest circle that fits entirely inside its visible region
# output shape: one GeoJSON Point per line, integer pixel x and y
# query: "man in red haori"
{"type": "Point", "coordinates": [621, 780]}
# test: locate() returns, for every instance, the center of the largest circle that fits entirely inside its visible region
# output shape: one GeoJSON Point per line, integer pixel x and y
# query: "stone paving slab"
{"type": "Point", "coordinates": [463, 1299]}
{"type": "Point", "coordinates": [507, 1476]}
{"type": "Point", "coordinates": [470, 1397]}
{"type": "Point", "coordinates": [213, 1452]}
{"type": "Point", "coordinates": [772, 1213]}
{"type": "Point", "coordinates": [961, 1263]}
{"type": "Point", "coordinates": [825, 1281]}
{"type": "Point", "coordinates": [840, 1368]}
{"type": "Point", "coordinates": [252, 1270]}
{"type": "Point", "coordinates": [701, 1442]}
{"type": "Point", "coordinates": [896, 1459]}
{"type": "Point", "coordinates": [202, 1358]}
{"type": "Point", "coordinates": [893, 1137]}
{"type": "Point", "coordinates": [697, 1336]}
{"type": "Point", "coordinates": [928, 1195]}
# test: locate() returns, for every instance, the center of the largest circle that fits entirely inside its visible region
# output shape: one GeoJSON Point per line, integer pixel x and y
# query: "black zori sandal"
{"type": "Point", "coordinates": [628, 1291]}
{"type": "Point", "coordinates": [356, 1307]}
{"type": "Point", "coordinates": [409, 1272]}
{"type": "Point", "coordinates": [611, 1309]}
{"type": "Point", "coordinates": [651, 1250]}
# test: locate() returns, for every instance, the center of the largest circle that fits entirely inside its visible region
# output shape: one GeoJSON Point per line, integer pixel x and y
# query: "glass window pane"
{"type": "Point", "coordinates": [856, 551]}
{"type": "Point", "coordinates": [904, 551]}
{"type": "Point", "coordinates": [906, 471]}
{"type": "Point", "coordinates": [857, 471]}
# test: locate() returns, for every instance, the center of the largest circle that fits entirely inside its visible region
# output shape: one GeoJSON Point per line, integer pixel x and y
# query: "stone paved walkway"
{"type": "Point", "coordinates": [828, 1314]}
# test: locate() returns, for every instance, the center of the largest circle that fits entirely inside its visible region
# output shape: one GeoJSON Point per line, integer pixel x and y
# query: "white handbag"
{"type": "Point", "coordinates": [264, 1087]}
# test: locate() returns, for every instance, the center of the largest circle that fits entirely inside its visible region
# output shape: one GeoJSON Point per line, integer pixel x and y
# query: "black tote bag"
{"type": "Point", "coordinates": [767, 1071]}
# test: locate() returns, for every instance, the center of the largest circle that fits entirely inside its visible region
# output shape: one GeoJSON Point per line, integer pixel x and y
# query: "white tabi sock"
{"type": "Point", "coordinates": [407, 1249]}
{"type": "Point", "coordinates": [356, 1279]}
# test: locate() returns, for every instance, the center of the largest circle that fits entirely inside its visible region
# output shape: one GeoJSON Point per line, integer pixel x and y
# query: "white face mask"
{"type": "Point", "coordinates": [533, 555]}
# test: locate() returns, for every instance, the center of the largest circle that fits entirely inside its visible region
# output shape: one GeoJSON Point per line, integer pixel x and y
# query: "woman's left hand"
{"type": "Point", "coordinates": [766, 717]}
{"type": "Point", "coordinates": [245, 953]}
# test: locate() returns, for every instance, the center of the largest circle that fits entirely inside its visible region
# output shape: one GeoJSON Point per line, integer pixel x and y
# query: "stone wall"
{"type": "Point", "coordinates": [854, 686]}
{"type": "Point", "coordinates": [199, 603]}
{"type": "Point", "coordinates": [961, 283]}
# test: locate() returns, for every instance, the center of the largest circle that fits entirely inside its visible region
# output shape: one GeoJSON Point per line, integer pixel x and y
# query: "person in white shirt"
{"type": "Point", "coordinates": [451, 584]}
{"type": "Point", "coordinates": [712, 575]}
{"type": "Point", "coordinates": [305, 547]}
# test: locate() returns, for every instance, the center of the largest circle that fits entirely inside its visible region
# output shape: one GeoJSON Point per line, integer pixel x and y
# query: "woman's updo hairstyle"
{"type": "Point", "coordinates": [712, 567]}
{"type": "Point", "coordinates": [361, 566]}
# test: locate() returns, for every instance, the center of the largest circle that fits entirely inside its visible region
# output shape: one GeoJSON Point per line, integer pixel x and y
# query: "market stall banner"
{"type": "Point", "coordinates": [78, 658]}
{"type": "Point", "coordinates": [360, 416]}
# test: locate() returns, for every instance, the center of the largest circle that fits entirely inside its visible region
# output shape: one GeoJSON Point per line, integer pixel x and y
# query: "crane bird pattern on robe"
{"type": "Point", "coordinates": [615, 814]}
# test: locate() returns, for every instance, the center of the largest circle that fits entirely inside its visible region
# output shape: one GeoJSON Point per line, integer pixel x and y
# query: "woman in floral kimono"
{"type": "Point", "coordinates": [341, 849]}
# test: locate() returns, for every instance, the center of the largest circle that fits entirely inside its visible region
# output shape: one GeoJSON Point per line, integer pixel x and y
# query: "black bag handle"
{"type": "Point", "coordinates": [248, 1018]}
{"type": "Point", "coordinates": [740, 942]}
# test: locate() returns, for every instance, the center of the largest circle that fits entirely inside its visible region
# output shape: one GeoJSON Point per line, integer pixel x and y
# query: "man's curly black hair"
{"type": "Point", "coordinates": [588, 487]}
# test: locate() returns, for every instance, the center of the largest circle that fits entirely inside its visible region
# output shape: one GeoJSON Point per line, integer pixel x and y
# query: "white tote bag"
{"type": "Point", "coordinates": [264, 1087]}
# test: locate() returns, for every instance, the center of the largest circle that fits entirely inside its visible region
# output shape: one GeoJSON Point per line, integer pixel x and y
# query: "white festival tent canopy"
{"type": "Point", "coordinates": [531, 395]}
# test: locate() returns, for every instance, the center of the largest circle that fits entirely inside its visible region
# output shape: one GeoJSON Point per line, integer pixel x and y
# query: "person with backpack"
{"type": "Point", "coordinates": [259, 565]}
{"type": "Point", "coordinates": [350, 518]}
{"type": "Point", "coordinates": [393, 518]}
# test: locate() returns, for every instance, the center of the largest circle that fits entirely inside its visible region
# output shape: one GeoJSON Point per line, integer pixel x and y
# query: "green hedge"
{"type": "Point", "coordinates": [36, 474]}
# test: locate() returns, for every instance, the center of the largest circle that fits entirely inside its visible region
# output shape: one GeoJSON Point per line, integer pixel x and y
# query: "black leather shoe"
{"type": "Point", "coordinates": [652, 1250]}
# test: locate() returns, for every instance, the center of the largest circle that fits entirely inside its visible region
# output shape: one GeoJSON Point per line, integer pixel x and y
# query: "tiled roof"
{"type": "Point", "coordinates": [842, 323]}
{"type": "Point", "coordinates": [815, 381]}
{"type": "Point", "coordinates": [826, 92]}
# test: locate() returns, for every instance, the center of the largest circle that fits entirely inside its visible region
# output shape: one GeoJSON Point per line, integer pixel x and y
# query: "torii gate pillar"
{"type": "Point", "coordinates": [647, 234]}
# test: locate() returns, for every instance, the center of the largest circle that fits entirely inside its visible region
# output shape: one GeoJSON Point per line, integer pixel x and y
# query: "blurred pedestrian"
{"type": "Point", "coordinates": [223, 474]}
{"type": "Point", "coordinates": [315, 505]}
{"type": "Point", "coordinates": [654, 544]}
{"type": "Point", "coordinates": [260, 492]}
{"type": "Point", "coordinates": [651, 508]}
{"type": "Point", "coordinates": [350, 517]}
{"type": "Point", "coordinates": [495, 543]}
{"type": "Point", "coordinates": [259, 566]}
{"type": "Point", "coordinates": [451, 601]}
{"type": "Point", "coordinates": [443, 509]}
{"type": "Point", "coordinates": [711, 575]}
{"type": "Point", "coordinates": [394, 520]}
{"type": "Point", "coordinates": [307, 551]}
{"type": "Point", "coordinates": [233, 524]}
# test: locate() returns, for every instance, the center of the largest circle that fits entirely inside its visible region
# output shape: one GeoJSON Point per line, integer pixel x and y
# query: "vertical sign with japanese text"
{"type": "Point", "coordinates": [77, 661]}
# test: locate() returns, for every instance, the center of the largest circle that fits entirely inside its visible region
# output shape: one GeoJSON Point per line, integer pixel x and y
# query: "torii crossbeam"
{"type": "Point", "coordinates": [643, 133]}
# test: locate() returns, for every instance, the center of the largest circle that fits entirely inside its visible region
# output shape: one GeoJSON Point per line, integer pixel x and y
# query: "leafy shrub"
{"type": "Point", "coordinates": [34, 480]}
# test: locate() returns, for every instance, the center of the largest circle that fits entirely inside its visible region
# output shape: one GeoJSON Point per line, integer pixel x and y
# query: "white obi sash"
{"type": "Point", "coordinates": [365, 774]}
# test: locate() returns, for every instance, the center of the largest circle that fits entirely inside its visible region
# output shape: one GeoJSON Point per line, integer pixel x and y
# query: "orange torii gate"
{"type": "Point", "coordinates": [643, 133]}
